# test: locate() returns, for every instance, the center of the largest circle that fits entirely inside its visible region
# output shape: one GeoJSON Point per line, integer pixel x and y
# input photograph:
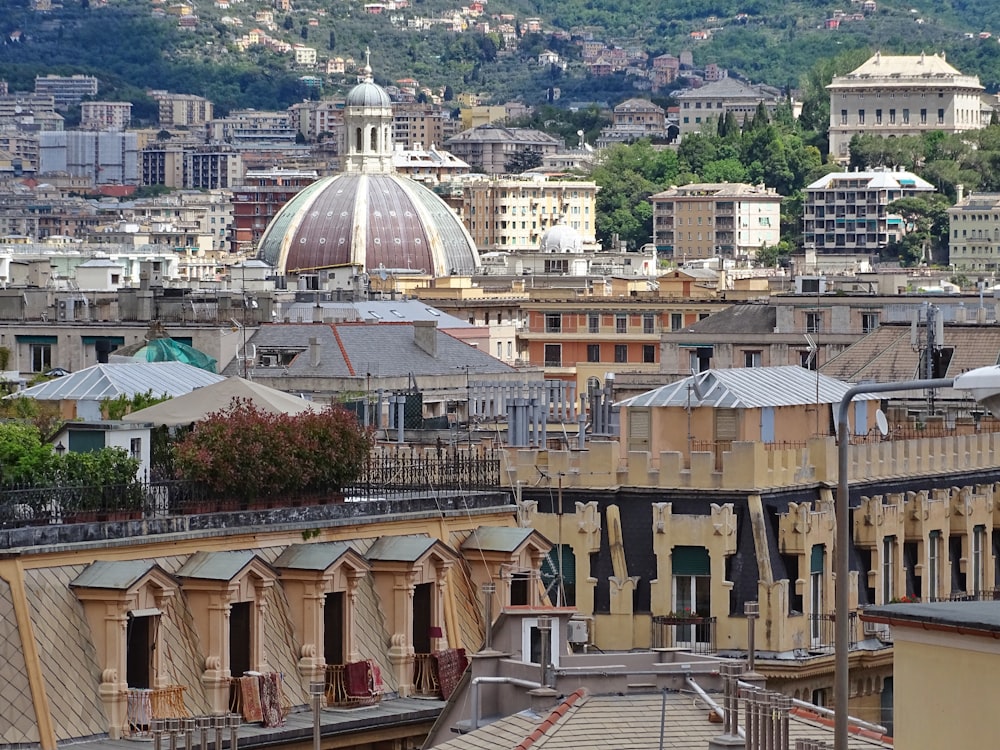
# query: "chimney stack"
{"type": "Point", "coordinates": [425, 336]}
{"type": "Point", "coordinates": [314, 352]}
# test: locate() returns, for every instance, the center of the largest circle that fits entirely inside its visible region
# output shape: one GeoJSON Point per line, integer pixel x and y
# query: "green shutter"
{"type": "Point", "coordinates": [691, 561]}
{"type": "Point", "coordinates": [816, 558]}
{"type": "Point", "coordinates": [115, 340]}
{"type": "Point", "coordinates": [550, 565]}
{"type": "Point", "coordinates": [30, 339]}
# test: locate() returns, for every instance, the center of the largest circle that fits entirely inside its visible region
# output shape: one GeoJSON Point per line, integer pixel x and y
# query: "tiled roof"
{"type": "Point", "coordinates": [741, 318]}
{"type": "Point", "coordinates": [216, 566]}
{"type": "Point", "coordinates": [400, 548]}
{"type": "Point", "coordinates": [582, 722]}
{"type": "Point", "coordinates": [316, 556]}
{"type": "Point", "coordinates": [112, 574]}
{"type": "Point", "coordinates": [728, 88]}
{"type": "Point", "coordinates": [497, 538]}
{"type": "Point", "coordinates": [746, 388]}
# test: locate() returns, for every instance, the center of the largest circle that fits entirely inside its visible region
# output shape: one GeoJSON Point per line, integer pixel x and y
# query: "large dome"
{"type": "Point", "coordinates": [368, 221]}
{"type": "Point", "coordinates": [367, 94]}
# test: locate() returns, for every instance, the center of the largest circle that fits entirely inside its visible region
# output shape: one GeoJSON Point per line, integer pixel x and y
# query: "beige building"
{"type": "Point", "coordinates": [706, 220]}
{"type": "Point", "coordinates": [847, 212]}
{"type": "Point", "coordinates": [896, 95]}
{"type": "Point", "coordinates": [105, 115]}
{"type": "Point", "coordinates": [418, 125]}
{"type": "Point", "coordinates": [497, 150]}
{"type": "Point", "coordinates": [950, 648]}
{"type": "Point", "coordinates": [634, 119]}
{"type": "Point", "coordinates": [183, 110]}
{"type": "Point", "coordinates": [711, 102]}
{"type": "Point", "coordinates": [512, 213]}
{"type": "Point", "coordinates": [304, 56]}
{"type": "Point", "coordinates": [974, 233]}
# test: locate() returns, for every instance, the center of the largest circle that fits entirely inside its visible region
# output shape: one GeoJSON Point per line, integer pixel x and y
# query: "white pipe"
{"type": "Point", "coordinates": [494, 681]}
{"type": "Point", "coordinates": [711, 703]}
{"type": "Point", "coordinates": [822, 710]}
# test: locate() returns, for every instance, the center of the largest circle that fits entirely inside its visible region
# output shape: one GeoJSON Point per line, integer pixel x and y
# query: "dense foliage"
{"type": "Point", "coordinates": [245, 453]}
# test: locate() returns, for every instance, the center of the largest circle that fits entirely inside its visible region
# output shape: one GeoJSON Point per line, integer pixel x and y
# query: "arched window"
{"type": "Point", "coordinates": [357, 140]}
{"type": "Point", "coordinates": [374, 144]}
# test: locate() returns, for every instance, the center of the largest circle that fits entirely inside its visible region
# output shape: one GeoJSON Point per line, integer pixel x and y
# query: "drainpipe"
{"type": "Point", "coordinates": [476, 681]}
{"type": "Point", "coordinates": [545, 636]}
{"type": "Point", "coordinates": [489, 589]}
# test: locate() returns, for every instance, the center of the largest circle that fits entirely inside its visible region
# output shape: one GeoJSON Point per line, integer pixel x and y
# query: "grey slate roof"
{"type": "Point", "coordinates": [99, 382]}
{"type": "Point", "coordinates": [216, 566]}
{"type": "Point", "coordinates": [379, 349]}
{"type": "Point", "coordinates": [747, 388]}
{"type": "Point", "coordinates": [116, 575]}
{"type": "Point", "coordinates": [390, 311]}
{"type": "Point", "coordinates": [496, 538]}
{"type": "Point", "coordinates": [400, 548]}
{"type": "Point", "coordinates": [319, 556]}
{"type": "Point", "coordinates": [748, 318]}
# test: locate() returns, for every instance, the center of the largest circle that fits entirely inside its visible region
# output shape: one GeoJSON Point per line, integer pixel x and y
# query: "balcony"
{"type": "Point", "coordinates": [822, 629]}
{"type": "Point", "coordinates": [697, 634]}
{"type": "Point", "coordinates": [143, 706]}
{"type": "Point", "coordinates": [352, 685]}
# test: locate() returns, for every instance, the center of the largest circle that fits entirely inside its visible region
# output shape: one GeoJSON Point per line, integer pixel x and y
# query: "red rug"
{"type": "Point", "coordinates": [250, 699]}
{"type": "Point", "coordinates": [451, 665]}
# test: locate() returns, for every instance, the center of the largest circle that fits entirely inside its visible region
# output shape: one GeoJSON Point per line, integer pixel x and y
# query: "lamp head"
{"type": "Point", "coordinates": [983, 384]}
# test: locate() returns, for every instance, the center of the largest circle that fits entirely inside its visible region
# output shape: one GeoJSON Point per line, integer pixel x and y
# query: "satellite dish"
{"type": "Point", "coordinates": [882, 423]}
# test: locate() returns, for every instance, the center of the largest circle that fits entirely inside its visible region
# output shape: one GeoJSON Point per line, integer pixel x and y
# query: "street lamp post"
{"type": "Point", "coordinates": [984, 385]}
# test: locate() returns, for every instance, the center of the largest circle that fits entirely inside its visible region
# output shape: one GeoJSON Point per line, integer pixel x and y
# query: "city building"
{"type": "Point", "coordinates": [319, 119]}
{"type": "Point", "coordinates": [249, 126]}
{"type": "Point", "coordinates": [848, 212]}
{"type": "Point", "coordinates": [706, 220]}
{"type": "Point", "coordinates": [897, 95]}
{"type": "Point", "coordinates": [512, 213]}
{"type": "Point", "coordinates": [183, 110]}
{"type": "Point", "coordinates": [418, 125]}
{"type": "Point", "coordinates": [212, 167]}
{"type": "Point", "coordinates": [105, 115]}
{"type": "Point", "coordinates": [101, 158]}
{"type": "Point", "coordinates": [634, 119]}
{"type": "Point", "coordinates": [494, 149]}
{"type": "Point", "coordinates": [257, 199]}
{"type": "Point", "coordinates": [709, 103]}
{"type": "Point", "coordinates": [66, 90]}
{"type": "Point", "coordinates": [974, 233]}
{"type": "Point", "coordinates": [428, 164]}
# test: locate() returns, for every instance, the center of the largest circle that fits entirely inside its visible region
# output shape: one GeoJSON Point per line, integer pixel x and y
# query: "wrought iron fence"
{"type": "Point", "coordinates": [386, 476]}
{"type": "Point", "coordinates": [822, 631]}
{"type": "Point", "coordinates": [425, 678]}
{"type": "Point", "coordinates": [697, 634]}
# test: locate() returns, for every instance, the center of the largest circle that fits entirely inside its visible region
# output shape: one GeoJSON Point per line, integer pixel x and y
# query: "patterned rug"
{"type": "Point", "coordinates": [375, 678]}
{"type": "Point", "coordinates": [451, 664]}
{"type": "Point", "coordinates": [270, 699]}
{"type": "Point", "coordinates": [250, 699]}
{"type": "Point", "coordinates": [356, 677]}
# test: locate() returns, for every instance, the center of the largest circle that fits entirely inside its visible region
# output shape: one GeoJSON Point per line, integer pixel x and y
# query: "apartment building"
{"type": "Point", "coordinates": [847, 212]}
{"type": "Point", "coordinates": [183, 110]}
{"type": "Point", "coordinates": [101, 158]}
{"type": "Point", "coordinates": [66, 90]}
{"type": "Point", "coordinates": [706, 220]}
{"type": "Point", "coordinates": [258, 198]}
{"type": "Point", "coordinates": [418, 125]}
{"type": "Point", "coordinates": [634, 119]}
{"type": "Point", "coordinates": [247, 126]}
{"type": "Point", "coordinates": [512, 213]}
{"type": "Point", "coordinates": [897, 95]}
{"type": "Point", "coordinates": [494, 149]}
{"type": "Point", "coordinates": [974, 233]}
{"type": "Point", "coordinates": [713, 101]}
{"type": "Point", "coordinates": [318, 120]}
{"type": "Point", "coordinates": [114, 116]}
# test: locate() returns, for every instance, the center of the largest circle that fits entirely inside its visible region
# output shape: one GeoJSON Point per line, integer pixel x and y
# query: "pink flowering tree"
{"type": "Point", "coordinates": [243, 452]}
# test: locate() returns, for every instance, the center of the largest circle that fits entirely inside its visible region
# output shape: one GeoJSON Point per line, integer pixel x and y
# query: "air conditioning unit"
{"type": "Point", "coordinates": [577, 632]}
{"type": "Point", "coordinates": [67, 309]}
{"type": "Point", "coordinates": [268, 360]}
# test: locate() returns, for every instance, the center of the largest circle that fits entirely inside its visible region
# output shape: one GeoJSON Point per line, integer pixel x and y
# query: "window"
{"type": "Point", "coordinates": [553, 323]}
{"type": "Point", "coordinates": [906, 117]}
{"type": "Point", "coordinates": [933, 565]}
{"type": "Point", "coordinates": [647, 323]}
{"type": "Point", "coordinates": [940, 117]}
{"type": "Point", "coordinates": [621, 352]}
{"type": "Point", "coordinates": [817, 563]}
{"type": "Point", "coordinates": [41, 357]}
{"type": "Point", "coordinates": [692, 595]}
{"type": "Point", "coordinates": [553, 355]}
{"type": "Point", "coordinates": [892, 117]}
{"type": "Point", "coordinates": [135, 447]}
{"type": "Point", "coordinates": [621, 323]}
{"type": "Point", "coordinates": [648, 353]}
{"type": "Point", "coordinates": [676, 321]}
{"type": "Point", "coordinates": [978, 559]}
{"type": "Point", "coordinates": [843, 117]}
{"type": "Point", "coordinates": [593, 352]}
{"type": "Point", "coordinates": [923, 117]}
{"type": "Point", "coordinates": [861, 117]}
{"type": "Point", "coordinates": [499, 350]}
{"type": "Point", "coordinates": [807, 359]}
{"type": "Point", "coordinates": [814, 322]}
{"type": "Point", "coordinates": [593, 323]}
{"type": "Point", "coordinates": [751, 359]}
{"type": "Point", "coordinates": [869, 322]}
{"type": "Point", "coordinates": [888, 566]}
{"type": "Point", "coordinates": [878, 116]}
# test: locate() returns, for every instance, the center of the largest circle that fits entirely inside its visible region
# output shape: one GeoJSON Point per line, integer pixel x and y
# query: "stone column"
{"type": "Point", "coordinates": [401, 641]}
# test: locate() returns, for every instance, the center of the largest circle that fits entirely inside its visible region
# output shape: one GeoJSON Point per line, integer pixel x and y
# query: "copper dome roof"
{"type": "Point", "coordinates": [368, 221]}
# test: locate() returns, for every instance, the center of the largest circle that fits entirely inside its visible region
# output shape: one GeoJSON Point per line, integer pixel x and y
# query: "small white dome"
{"type": "Point", "coordinates": [562, 238]}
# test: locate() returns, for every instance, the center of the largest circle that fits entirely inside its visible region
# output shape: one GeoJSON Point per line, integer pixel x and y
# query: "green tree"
{"type": "Point", "coordinates": [925, 220]}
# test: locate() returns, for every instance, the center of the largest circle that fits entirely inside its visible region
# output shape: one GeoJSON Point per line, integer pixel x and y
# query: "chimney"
{"type": "Point", "coordinates": [959, 193]}
{"type": "Point", "coordinates": [314, 352]}
{"type": "Point", "coordinates": [425, 336]}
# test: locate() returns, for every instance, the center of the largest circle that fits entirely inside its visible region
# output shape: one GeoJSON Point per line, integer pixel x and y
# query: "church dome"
{"type": "Point", "coordinates": [367, 94]}
{"type": "Point", "coordinates": [368, 221]}
{"type": "Point", "coordinates": [562, 238]}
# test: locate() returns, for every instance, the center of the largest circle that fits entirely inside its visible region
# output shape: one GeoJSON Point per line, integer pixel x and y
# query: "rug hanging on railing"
{"type": "Point", "coordinates": [363, 678]}
{"type": "Point", "coordinates": [270, 699]}
{"type": "Point", "coordinates": [250, 698]}
{"type": "Point", "coordinates": [451, 665]}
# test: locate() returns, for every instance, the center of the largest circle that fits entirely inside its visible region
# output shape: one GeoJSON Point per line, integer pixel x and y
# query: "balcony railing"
{"type": "Point", "coordinates": [144, 705]}
{"type": "Point", "coordinates": [425, 679]}
{"type": "Point", "coordinates": [339, 694]}
{"type": "Point", "coordinates": [697, 634]}
{"type": "Point", "coordinates": [822, 632]}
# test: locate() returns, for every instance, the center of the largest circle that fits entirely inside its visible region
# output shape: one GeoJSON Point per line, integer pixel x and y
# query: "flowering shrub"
{"type": "Point", "coordinates": [904, 600]}
{"type": "Point", "coordinates": [242, 452]}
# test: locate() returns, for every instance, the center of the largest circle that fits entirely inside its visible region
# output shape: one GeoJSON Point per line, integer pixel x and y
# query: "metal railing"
{"type": "Point", "coordinates": [697, 634]}
{"type": "Point", "coordinates": [336, 693]}
{"type": "Point", "coordinates": [425, 679]}
{"type": "Point", "coordinates": [143, 706]}
{"type": "Point", "coordinates": [822, 635]}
